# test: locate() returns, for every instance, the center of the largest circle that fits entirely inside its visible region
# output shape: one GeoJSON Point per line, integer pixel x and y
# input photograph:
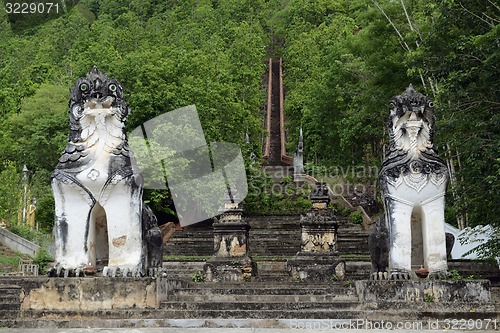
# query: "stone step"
{"type": "Point", "coordinates": [274, 278]}
{"type": "Point", "coordinates": [183, 265]}
{"type": "Point", "coordinates": [272, 271]}
{"type": "Point", "coordinates": [219, 298]}
{"type": "Point", "coordinates": [358, 270]}
{"type": "Point", "coordinates": [495, 294]}
{"type": "Point", "coordinates": [8, 314]}
{"type": "Point", "coordinates": [257, 305]}
{"type": "Point", "coordinates": [9, 298]}
{"type": "Point", "coordinates": [262, 231]}
{"type": "Point", "coordinates": [269, 271]}
{"type": "Point", "coordinates": [271, 266]}
{"type": "Point", "coordinates": [274, 249]}
{"type": "Point", "coordinates": [336, 310]}
{"type": "Point", "coordinates": [272, 235]}
{"type": "Point", "coordinates": [249, 288]}
{"type": "Point", "coordinates": [10, 302]}
{"type": "Point", "coordinates": [8, 289]}
{"type": "Point", "coordinates": [356, 320]}
{"type": "Point", "coordinates": [274, 221]}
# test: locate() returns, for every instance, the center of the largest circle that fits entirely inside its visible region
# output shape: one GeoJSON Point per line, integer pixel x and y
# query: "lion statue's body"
{"type": "Point", "coordinates": [98, 198]}
{"type": "Point", "coordinates": [413, 181]}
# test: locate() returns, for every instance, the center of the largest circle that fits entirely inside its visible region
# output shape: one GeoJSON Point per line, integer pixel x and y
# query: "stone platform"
{"type": "Point", "coordinates": [439, 291]}
{"type": "Point", "coordinates": [137, 303]}
{"type": "Point", "coordinates": [323, 327]}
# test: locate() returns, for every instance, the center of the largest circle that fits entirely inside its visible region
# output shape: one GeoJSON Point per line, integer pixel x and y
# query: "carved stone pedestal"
{"type": "Point", "coordinates": [231, 260]}
{"type": "Point", "coordinates": [318, 259]}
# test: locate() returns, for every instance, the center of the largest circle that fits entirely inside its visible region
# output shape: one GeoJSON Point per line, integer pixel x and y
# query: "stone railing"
{"type": "Point", "coordinates": [267, 139]}
{"type": "Point", "coordinates": [17, 243]}
{"type": "Point", "coordinates": [27, 267]}
{"type": "Point", "coordinates": [284, 157]}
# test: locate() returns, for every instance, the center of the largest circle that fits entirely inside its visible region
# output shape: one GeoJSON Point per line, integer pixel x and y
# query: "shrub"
{"type": "Point", "coordinates": [43, 259]}
{"type": "Point", "coordinates": [356, 217]}
{"type": "Point", "coordinates": [198, 277]}
{"type": "Point", "coordinates": [428, 298]}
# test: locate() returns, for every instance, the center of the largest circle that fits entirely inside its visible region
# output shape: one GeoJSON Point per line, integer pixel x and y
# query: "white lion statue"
{"type": "Point", "coordinates": [100, 215]}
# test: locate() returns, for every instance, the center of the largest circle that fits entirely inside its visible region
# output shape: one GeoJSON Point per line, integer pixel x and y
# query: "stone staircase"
{"type": "Point", "coordinates": [274, 235]}
{"type": "Point", "coordinates": [273, 271]}
{"type": "Point", "coordinates": [10, 302]}
{"type": "Point", "coordinates": [270, 236]}
{"type": "Point", "coordinates": [253, 304]}
{"type": "Point", "coordinates": [261, 301]}
{"type": "Point", "coordinates": [183, 270]}
{"type": "Point", "coordinates": [275, 151]}
{"type": "Point", "coordinates": [193, 240]}
{"type": "Point", "coordinates": [273, 240]}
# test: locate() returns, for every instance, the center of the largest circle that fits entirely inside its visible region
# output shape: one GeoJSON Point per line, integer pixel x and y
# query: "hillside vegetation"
{"type": "Point", "coordinates": [343, 61]}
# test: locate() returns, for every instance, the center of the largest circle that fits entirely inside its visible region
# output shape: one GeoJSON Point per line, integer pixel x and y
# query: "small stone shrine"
{"type": "Point", "coordinates": [413, 180]}
{"type": "Point", "coordinates": [231, 260]}
{"type": "Point", "coordinates": [318, 258]}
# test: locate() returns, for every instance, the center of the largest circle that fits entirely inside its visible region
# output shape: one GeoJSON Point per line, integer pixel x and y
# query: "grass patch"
{"type": "Point", "coordinates": [9, 260]}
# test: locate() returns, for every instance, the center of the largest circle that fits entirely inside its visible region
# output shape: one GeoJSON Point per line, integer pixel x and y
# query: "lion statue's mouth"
{"type": "Point", "coordinates": [410, 119]}
{"type": "Point", "coordinates": [103, 103]}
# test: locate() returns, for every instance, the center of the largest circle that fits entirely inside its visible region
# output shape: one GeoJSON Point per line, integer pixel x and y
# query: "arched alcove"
{"type": "Point", "coordinates": [417, 244]}
{"type": "Point", "coordinates": [98, 236]}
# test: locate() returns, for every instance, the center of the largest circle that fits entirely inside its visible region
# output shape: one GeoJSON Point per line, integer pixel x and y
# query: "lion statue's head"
{"type": "Point", "coordinates": [411, 133]}
{"type": "Point", "coordinates": [411, 124]}
{"type": "Point", "coordinates": [97, 112]}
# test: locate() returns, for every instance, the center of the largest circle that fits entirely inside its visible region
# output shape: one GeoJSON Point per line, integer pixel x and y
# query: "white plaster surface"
{"type": "Point", "coordinates": [122, 203]}
{"type": "Point", "coordinates": [426, 195]}
{"type": "Point", "coordinates": [474, 236]}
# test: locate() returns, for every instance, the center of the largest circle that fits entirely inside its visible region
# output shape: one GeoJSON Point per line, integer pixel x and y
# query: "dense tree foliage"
{"type": "Point", "coordinates": [461, 54]}
{"type": "Point", "coordinates": [343, 60]}
{"type": "Point", "coordinates": [165, 54]}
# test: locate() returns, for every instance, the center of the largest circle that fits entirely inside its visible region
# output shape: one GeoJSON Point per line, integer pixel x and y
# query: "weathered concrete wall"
{"type": "Point", "coordinates": [73, 294]}
{"type": "Point", "coordinates": [17, 243]}
{"type": "Point", "coordinates": [432, 290]}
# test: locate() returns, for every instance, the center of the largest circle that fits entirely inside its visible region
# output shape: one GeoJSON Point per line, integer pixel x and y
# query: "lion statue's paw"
{"type": "Point", "coordinates": [60, 270]}
{"type": "Point", "coordinates": [112, 271]}
{"type": "Point", "coordinates": [438, 275]}
{"type": "Point", "coordinates": [379, 276]}
{"type": "Point", "coordinates": [400, 275]}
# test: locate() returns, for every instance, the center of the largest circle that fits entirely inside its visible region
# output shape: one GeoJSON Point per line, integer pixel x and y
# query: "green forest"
{"type": "Point", "coordinates": [343, 60]}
